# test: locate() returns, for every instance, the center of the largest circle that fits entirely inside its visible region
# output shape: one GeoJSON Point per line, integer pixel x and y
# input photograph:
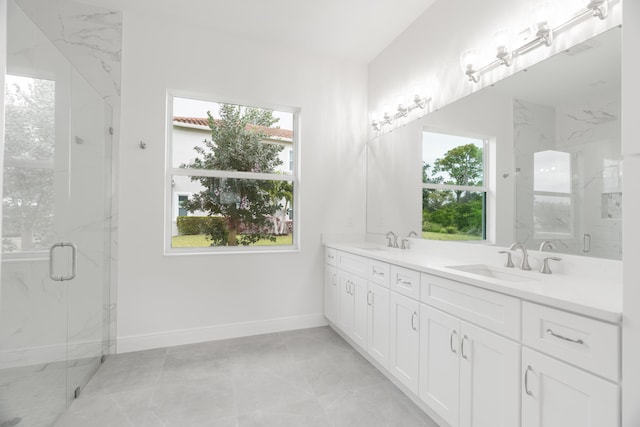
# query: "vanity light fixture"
{"type": "Point", "coordinates": [600, 8]}
{"type": "Point", "coordinates": [418, 101]}
{"type": "Point", "coordinates": [542, 30]}
{"type": "Point", "coordinates": [503, 40]}
{"type": "Point", "coordinates": [541, 26]}
{"type": "Point", "coordinates": [468, 61]}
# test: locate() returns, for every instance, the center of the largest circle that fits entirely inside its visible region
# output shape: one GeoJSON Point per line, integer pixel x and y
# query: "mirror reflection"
{"type": "Point", "coordinates": [550, 145]}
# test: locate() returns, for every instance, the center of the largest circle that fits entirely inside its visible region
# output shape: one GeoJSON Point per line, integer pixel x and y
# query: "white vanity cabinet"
{"type": "Point", "coordinates": [331, 293]}
{"type": "Point", "coordinates": [468, 375]}
{"type": "Point", "coordinates": [405, 340]}
{"type": "Point", "coordinates": [556, 394]}
{"type": "Point", "coordinates": [473, 356]}
{"type": "Point", "coordinates": [352, 306]}
{"type": "Point", "coordinates": [378, 323]}
{"type": "Point", "coordinates": [555, 391]}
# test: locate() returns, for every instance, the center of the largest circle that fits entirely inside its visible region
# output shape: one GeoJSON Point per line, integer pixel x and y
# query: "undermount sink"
{"type": "Point", "coordinates": [491, 272]}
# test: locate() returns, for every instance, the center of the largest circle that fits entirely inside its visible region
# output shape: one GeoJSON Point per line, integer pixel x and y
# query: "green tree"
{"type": "Point", "coordinates": [463, 164]}
{"type": "Point", "coordinates": [237, 144]}
{"type": "Point", "coordinates": [28, 207]}
{"type": "Point", "coordinates": [281, 191]}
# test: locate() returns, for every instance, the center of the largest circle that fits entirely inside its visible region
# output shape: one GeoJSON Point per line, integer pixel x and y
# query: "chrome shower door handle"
{"type": "Point", "coordinates": [74, 261]}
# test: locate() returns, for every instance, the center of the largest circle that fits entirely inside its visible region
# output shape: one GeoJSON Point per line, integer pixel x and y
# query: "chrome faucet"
{"type": "Point", "coordinates": [392, 239]}
{"type": "Point", "coordinates": [524, 265]}
{"type": "Point", "coordinates": [405, 241]}
{"type": "Point", "coordinates": [546, 245]}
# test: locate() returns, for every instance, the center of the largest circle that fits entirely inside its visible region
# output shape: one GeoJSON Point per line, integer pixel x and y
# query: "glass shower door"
{"type": "Point", "coordinates": [88, 229]}
{"type": "Point", "coordinates": [53, 328]}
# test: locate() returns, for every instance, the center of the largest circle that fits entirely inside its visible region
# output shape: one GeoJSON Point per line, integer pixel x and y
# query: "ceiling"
{"type": "Point", "coordinates": [347, 29]}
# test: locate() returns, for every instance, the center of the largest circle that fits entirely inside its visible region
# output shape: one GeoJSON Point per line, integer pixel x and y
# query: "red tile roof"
{"type": "Point", "coordinates": [272, 132]}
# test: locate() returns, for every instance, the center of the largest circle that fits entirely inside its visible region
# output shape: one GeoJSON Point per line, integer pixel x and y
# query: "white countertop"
{"type": "Point", "coordinates": [597, 297]}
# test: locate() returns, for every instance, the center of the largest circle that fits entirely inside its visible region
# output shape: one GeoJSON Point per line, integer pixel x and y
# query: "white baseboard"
{"type": "Point", "coordinates": [131, 343]}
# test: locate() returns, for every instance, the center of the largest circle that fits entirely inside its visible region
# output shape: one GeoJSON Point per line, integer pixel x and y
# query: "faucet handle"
{"type": "Point", "coordinates": [509, 262]}
{"type": "Point", "coordinates": [545, 264]}
{"type": "Point", "coordinates": [404, 244]}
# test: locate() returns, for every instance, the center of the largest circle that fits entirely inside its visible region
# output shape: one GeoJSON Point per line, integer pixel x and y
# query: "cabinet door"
{"type": "Point", "coordinates": [344, 318]}
{"type": "Point", "coordinates": [330, 293]}
{"type": "Point", "coordinates": [439, 362]}
{"type": "Point", "coordinates": [405, 340]}
{"type": "Point", "coordinates": [378, 324]}
{"type": "Point", "coordinates": [558, 395]}
{"type": "Point", "coordinates": [489, 379]}
{"type": "Point", "coordinates": [359, 295]}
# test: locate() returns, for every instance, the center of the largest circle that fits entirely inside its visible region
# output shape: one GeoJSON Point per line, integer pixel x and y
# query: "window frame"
{"type": "Point", "coordinates": [487, 227]}
{"type": "Point", "coordinates": [33, 254]}
{"type": "Point", "coordinates": [170, 172]}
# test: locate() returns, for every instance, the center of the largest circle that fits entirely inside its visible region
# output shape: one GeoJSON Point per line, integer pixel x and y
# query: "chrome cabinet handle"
{"type": "Point", "coordinates": [454, 332]}
{"type": "Point", "coordinates": [586, 243]}
{"type": "Point", "coordinates": [369, 302]}
{"type": "Point", "coordinates": [377, 273]}
{"type": "Point", "coordinates": [550, 332]}
{"type": "Point", "coordinates": [413, 317]}
{"type": "Point", "coordinates": [526, 380]}
{"type": "Point", "coordinates": [74, 261]}
{"type": "Point", "coordinates": [333, 279]}
{"type": "Point", "coordinates": [330, 256]}
{"type": "Point", "coordinates": [403, 282]}
{"type": "Point", "coordinates": [464, 356]}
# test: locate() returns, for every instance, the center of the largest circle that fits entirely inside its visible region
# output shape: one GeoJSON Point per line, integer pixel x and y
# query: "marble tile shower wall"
{"type": "Point", "coordinates": [91, 39]}
{"type": "Point", "coordinates": [589, 130]}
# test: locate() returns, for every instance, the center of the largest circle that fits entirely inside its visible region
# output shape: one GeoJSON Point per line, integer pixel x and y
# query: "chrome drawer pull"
{"type": "Point", "coordinates": [526, 380]}
{"type": "Point", "coordinates": [404, 282]}
{"type": "Point", "coordinates": [464, 356]}
{"type": "Point", "coordinates": [454, 332]}
{"type": "Point", "coordinates": [413, 325]}
{"type": "Point", "coordinates": [368, 301]}
{"type": "Point", "coordinates": [578, 341]}
{"type": "Point", "coordinates": [378, 273]}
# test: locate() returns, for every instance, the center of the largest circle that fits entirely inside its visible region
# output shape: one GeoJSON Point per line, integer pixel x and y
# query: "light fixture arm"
{"type": "Point", "coordinates": [544, 35]}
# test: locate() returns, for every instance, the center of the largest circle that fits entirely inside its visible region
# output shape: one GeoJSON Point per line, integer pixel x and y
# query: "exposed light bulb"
{"type": "Point", "coordinates": [468, 62]}
{"type": "Point", "coordinates": [503, 39]}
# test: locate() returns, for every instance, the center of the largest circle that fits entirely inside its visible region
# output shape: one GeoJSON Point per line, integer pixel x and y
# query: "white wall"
{"type": "Point", "coordinates": [165, 300]}
{"type": "Point", "coordinates": [3, 67]}
{"type": "Point", "coordinates": [631, 210]}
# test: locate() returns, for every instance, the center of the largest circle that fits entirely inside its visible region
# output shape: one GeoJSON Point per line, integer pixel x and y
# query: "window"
{"type": "Point", "coordinates": [453, 187]}
{"type": "Point", "coordinates": [232, 177]}
{"type": "Point", "coordinates": [552, 201]}
{"type": "Point", "coordinates": [29, 151]}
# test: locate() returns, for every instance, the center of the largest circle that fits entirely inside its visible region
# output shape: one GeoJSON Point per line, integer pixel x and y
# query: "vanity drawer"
{"type": "Point", "coordinates": [330, 256]}
{"type": "Point", "coordinates": [379, 272]}
{"type": "Point", "coordinates": [353, 263]}
{"type": "Point", "coordinates": [405, 281]}
{"type": "Point", "coordinates": [497, 312]}
{"type": "Point", "coordinates": [587, 343]}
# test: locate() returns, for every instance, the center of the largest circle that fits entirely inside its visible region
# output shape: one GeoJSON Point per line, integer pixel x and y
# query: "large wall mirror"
{"type": "Point", "coordinates": [542, 152]}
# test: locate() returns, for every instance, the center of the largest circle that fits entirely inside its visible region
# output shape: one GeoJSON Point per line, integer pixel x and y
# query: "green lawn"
{"type": "Point", "coordinates": [443, 236]}
{"type": "Point", "coordinates": [200, 241]}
